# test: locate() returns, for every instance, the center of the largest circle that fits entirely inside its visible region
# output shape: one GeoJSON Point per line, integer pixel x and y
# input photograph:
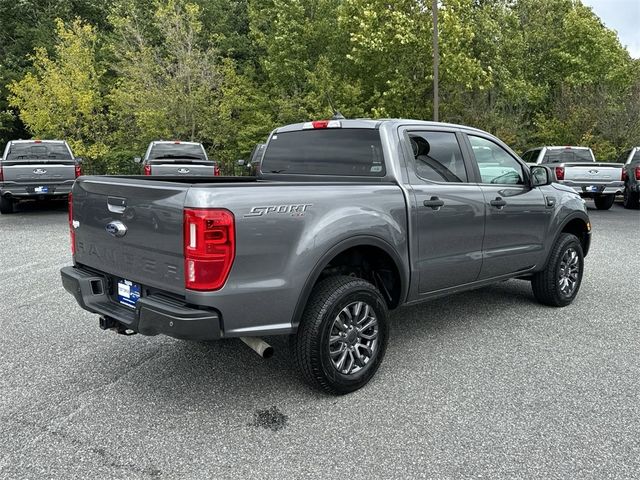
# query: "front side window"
{"type": "Point", "coordinates": [495, 163]}
{"type": "Point", "coordinates": [438, 156]}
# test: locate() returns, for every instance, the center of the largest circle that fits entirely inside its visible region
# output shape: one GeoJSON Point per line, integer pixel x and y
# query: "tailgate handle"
{"type": "Point", "coordinates": [116, 204]}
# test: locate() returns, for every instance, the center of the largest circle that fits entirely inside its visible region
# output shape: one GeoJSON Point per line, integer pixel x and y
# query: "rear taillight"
{"type": "Point", "coordinates": [209, 247]}
{"type": "Point", "coordinates": [624, 175]}
{"type": "Point", "coordinates": [216, 170]}
{"type": "Point", "coordinates": [72, 231]}
{"type": "Point", "coordinates": [637, 172]}
{"type": "Point", "coordinates": [147, 169]}
{"type": "Point", "coordinates": [78, 170]}
{"type": "Point", "coordinates": [559, 173]}
{"type": "Point", "coordinates": [1, 174]}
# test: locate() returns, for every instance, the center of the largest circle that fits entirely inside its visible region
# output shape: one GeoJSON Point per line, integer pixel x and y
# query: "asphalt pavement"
{"type": "Point", "coordinates": [487, 384]}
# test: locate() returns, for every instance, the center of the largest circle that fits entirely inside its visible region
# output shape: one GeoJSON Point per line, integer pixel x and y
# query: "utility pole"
{"type": "Point", "coordinates": [436, 61]}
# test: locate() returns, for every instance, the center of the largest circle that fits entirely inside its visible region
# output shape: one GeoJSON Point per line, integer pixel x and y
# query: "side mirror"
{"type": "Point", "coordinates": [241, 162]}
{"type": "Point", "coordinates": [137, 159]}
{"type": "Point", "coordinates": [79, 160]}
{"type": "Point", "coordinates": [541, 176]}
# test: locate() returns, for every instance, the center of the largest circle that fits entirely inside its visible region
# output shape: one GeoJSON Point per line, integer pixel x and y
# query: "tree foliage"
{"type": "Point", "coordinates": [111, 76]}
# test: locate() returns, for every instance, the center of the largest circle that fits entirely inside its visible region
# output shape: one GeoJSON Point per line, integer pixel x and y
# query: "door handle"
{"type": "Point", "coordinates": [498, 203]}
{"type": "Point", "coordinates": [116, 204]}
{"type": "Point", "coordinates": [435, 203]}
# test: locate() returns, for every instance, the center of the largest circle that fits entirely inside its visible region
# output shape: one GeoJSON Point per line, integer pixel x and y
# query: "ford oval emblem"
{"type": "Point", "coordinates": [183, 170]}
{"type": "Point", "coordinates": [39, 171]}
{"type": "Point", "coordinates": [116, 228]}
{"type": "Point", "coordinates": [593, 172]}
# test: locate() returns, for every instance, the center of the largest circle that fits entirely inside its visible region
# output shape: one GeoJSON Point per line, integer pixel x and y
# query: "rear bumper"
{"type": "Point", "coordinates": [608, 188]}
{"type": "Point", "coordinates": [27, 190]}
{"type": "Point", "coordinates": [154, 314]}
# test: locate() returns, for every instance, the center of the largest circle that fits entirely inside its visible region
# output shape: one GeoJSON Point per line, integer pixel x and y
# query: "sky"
{"type": "Point", "coordinates": [622, 16]}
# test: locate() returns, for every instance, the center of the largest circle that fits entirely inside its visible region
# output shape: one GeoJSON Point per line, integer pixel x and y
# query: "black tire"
{"type": "Point", "coordinates": [631, 199]}
{"type": "Point", "coordinates": [604, 202]}
{"type": "Point", "coordinates": [310, 346]}
{"type": "Point", "coordinates": [547, 285]}
{"type": "Point", "coordinates": [6, 205]}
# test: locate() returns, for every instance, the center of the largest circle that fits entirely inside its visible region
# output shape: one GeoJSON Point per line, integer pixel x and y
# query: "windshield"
{"type": "Point", "coordinates": [38, 151]}
{"type": "Point", "coordinates": [177, 151]}
{"type": "Point", "coordinates": [331, 151]}
{"type": "Point", "coordinates": [568, 155]}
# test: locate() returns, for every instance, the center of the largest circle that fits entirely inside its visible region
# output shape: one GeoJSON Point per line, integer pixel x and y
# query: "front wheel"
{"type": "Point", "coordinates": [604, 202]}
{"type": "Point", "coordinates": [558, 284]}
{"type": "Point", "coordinates": [343, 334]}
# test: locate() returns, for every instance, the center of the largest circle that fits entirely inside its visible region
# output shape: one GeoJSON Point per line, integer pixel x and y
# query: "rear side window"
{"type": "Point", "coordinates": [438, 156]}
{"type": "Point", "coordinates": [331, 151]}
{"type": "Point", "coordinates": [567, 155]}
{"type": "Point", "coordinates": [38, 151]}
{"type": "Point", "coordinates": [636, 156]}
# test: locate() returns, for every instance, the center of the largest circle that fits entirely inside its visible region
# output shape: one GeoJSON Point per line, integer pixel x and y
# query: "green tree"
{"type": "Point", "coordinates": [61, 98]}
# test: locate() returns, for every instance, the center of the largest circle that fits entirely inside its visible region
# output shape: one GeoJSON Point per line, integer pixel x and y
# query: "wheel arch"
{"type": "Point", "coordinates": [365, 243]}
{"type": "Point", "coordinates": [578, 225]}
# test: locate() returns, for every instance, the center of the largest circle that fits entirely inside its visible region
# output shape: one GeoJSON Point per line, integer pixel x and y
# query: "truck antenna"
{"type": "Point", "coordinates": [336, 114]}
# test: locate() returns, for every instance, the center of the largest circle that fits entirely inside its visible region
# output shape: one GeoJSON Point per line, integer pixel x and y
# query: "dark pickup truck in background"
{"type": "Point", "coordinates": [36, 170]}
{"type": "Point", "coordinates": [164, 158]}
{"type": "Point", "coordinates": [631, 177]}
{"type": "Point", "coordinates": [346, 220]}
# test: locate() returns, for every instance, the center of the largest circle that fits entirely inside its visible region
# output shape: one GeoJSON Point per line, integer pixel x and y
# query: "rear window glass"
{"type": "Point", "coordinates": [339, 151]}
{"type": "Point", "coordinates": [636, 156]}
{"type": "Point", "coordinates": [567, 155]}
{"type": "Point", "coordinates": [176, 151]}
{"type": "Point", "coordinates": [38, 151]}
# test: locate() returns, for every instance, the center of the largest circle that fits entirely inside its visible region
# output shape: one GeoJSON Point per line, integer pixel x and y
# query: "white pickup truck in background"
{"type": "Point", "coordinates": [577, 168]}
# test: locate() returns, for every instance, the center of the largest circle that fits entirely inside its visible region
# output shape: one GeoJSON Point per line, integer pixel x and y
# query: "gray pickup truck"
{"type": "Point", "coordinates": [36, 170]}
{"type": "Point", "coordinates": [176, 158]}
{"type": "Point", "coordinates": [577, 168]}
{"type": "Point", "coordinates": [630, 160]}
{"type": "Point", "coordinates": [346, 220]}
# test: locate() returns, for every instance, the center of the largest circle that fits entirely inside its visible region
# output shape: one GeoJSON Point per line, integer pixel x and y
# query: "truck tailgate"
{"type": "Point", "coordinates": [593, 172]}
{"type": "Point", "coordinates": [150, 249]}
{"type": "Point", "coordinates": [34, 171]}
{"type": "Point", "coordinates": [179, 168]}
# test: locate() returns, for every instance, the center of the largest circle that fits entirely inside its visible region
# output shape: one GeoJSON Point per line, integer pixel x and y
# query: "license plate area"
{"type": "Point", "coordinates": [40, 189]}
{"type": "Point", "coordinates": [593, 189]}
{"type": "Point", "coordinates": [128, 293]}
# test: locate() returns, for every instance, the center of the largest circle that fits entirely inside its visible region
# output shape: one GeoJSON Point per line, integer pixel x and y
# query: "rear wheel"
{"type": "Point", "coordinates": [343, 335]}
{"type": "Point", "coordinates": [6, 205]}
{"type": "Point", "coordinates": [604, 202]}
{"type": "Point", "coordinates": [558, 284]}
{"type": "Point", "coordinates": [631, 199]}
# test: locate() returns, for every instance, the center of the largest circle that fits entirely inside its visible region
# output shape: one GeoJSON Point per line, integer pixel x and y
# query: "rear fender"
{"type": "Point", "coordinates": [357, 241]}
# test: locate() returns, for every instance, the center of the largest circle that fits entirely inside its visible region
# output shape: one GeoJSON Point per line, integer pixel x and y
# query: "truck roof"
{"type": "Point", "coordinates": [556, 147]}
{"type": "Point", "coordinates": [176, 142]}
{"type": "Point", "coordinates": [375, 123]}
{"type": "Point", "coordinates": [38, 141]}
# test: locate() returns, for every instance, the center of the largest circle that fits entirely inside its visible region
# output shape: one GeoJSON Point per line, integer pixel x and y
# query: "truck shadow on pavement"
{"type": "Point", "coordinates": [228, 371]}
{"type": "Point", "coordinates": [46, 207]}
